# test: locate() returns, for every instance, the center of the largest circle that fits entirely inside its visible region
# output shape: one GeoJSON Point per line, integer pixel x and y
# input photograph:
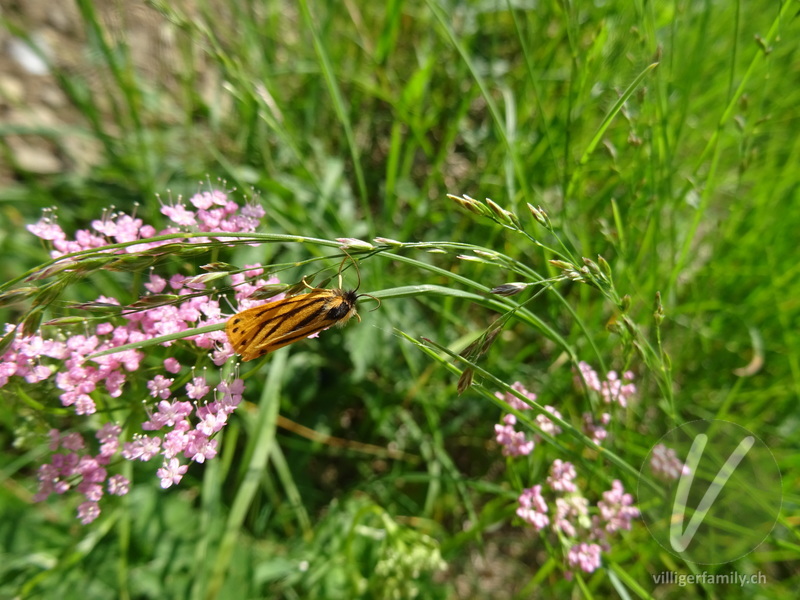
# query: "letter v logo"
{"type": "Point", "coordinates": [680, 540]}
{"type": "Point", "coordinates": [710, 491]}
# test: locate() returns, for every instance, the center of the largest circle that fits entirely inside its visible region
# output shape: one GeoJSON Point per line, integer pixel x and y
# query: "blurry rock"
{"type": "Point", "coordinates": [11, 90]}
{"type": "Point", "coordinates": [33, 156]}
{"type": "Point", "coordinates": [26, 55]}
{"type": "Point", "coordinates": [64, 17]}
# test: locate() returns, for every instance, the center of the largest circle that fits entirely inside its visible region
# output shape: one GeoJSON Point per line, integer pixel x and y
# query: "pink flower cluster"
{"type": "Point", "coordinates": [512, 399]}
{"type": "Point", "coordinates": [76, 468]}
{"type": "Point", "coordinates": [567, 514]}
{"type": "Point", "coordinates": [584, 530]}
{"type": "Point", "coordinates": [613, 389]}
{"type": "Point", "coordinates": [191, 438]}
{"type": "Point", "coordinates": [562, 476]}
{"type": "Point", "coordinates": [584, 556]}
{"type": "Point", "coordinates": [176, 429]}
{"type": "Point", "coordinates": [616, 508]}
{"type": "Point", "coordinates": [666, 465]}
{"type": "Point", "coordinates": [78, 378]}
{"type": "Point", "coordinates": [596, 431]}
{"type": "Point", "coordinates": [213, 211]}
{"type": "Point", "coordinates": [516, 443]}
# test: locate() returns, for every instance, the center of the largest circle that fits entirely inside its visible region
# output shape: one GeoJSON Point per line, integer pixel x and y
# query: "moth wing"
{"type": "Point", "coordinates": [259, 330]}
{"type": "Point", "coordinates": [244, 327]}
{"type": "Point", "coordinates": [290, 337]}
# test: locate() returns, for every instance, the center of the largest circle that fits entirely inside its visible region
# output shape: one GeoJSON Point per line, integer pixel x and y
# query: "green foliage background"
{"type": "Point", "coordinates": [355, 119]}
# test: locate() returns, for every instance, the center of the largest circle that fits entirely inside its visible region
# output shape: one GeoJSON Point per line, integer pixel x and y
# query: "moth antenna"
{"type": "Point", "coordinates": [358, 274]}
{"type": "Point", "coordinates": [355, 264]}
{"type": "Point", "coordinates": [378, 300]}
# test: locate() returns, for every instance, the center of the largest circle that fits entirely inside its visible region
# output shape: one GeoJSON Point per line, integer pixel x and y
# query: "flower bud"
{"type": "Point", "coordinates": [354, 244]}
{"type": "Point", "coordinates": [509, 289]}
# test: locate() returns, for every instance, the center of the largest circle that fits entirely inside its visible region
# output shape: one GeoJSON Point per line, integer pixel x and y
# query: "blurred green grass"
{"type": "Point", "coordinates": [355, 120]}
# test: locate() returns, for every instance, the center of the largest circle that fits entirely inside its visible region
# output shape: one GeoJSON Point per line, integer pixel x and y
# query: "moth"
{"type": "Point", "coordinates": [262, 329]}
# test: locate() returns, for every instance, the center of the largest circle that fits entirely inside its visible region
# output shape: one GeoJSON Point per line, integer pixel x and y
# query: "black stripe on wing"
{"type": "Point", "coordinates": [292, 318]}
{"type": "Point", "coordinates": [291, 337]}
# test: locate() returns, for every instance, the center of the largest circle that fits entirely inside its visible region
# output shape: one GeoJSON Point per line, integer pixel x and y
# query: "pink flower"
{"type": "Point", "coordinates": [561, 476]}
{"type": "Point", "coordinates": [231, 392]}
{"type": "Point", "coordinates": [515, 402]}
{"type": "Point", "coordinates": [514, 442]}
{"type": "Point", "coordinates": [55, 439]}
{"type": "Point", "coordinates": [200, 448]}
{"type": "Point", "coordinates": [114, 382]}
{"type": "Point", "coordinates": [546, 425]}
{"type": "Point", "coordinates": [176, 283]}
{"type": "Point", "coordinates": [212, 418]}
{"type": "Point", "coordinates": [159, 387]}
{"type": "Point", "coordinates": [142, 448]}
{"type": "Point", "coordinates": [589, 376]}
{"type": "Point", "coordinates": [254, 211]}
{"type": "Point", "coordinates": [65, 463]}
{"type": "Point", "coordinates": [205, 200]}
{"type": "Point", "coordinates": [167, 415]}
{"type": "Point", "coordinates": [118, 485]}
{"type": "Point", "coordinates": [197, 388]}
{"type": "Point", "coordinates": [104, 329]}
{"type": "Point", "coordinates": [612, 390]}
{"type": "Point", "coordinates": [572, 512]}
{"type": "Point", "coordinates": [84, 405]}
{"type": "Point", "coordinates": [91, 491]}
{"type": "Point", "coordinates": [47, 229]}
{"type": "Point", "coordinates": [596, 431]}
{"type": "Point", "coordinates": [178, 214]}
{"type": "Point", "coordinates": [90, 468]}
{"type": "Point", "coordinates": [156, 284]}
{"type": "Point", "coordinates": [171, 473]}
{"type": "Point", "coordinates": [80, 344]}
{"type": "Point", "coordinates": [585, 556]}
{"type": "Point", "coordinates": [106, 225]}
{"type": "Point", "coordinates": [211, 220]}
{"type": "Point", "coordinates": [175, 442]}
{"type": "Point", "coordinates": [666, 465]}
{"type": "Point", "coordinates": [211, 310]}
{"type": "Point", "coordinates": [38, 373]}
{"type": "Point", "coordinates": [127, 228]}
{"type": "Point", "coordinates": [220, 355]}
{"type": "Point", "coordinates": [616, 508]}
{"type": "Point", "coordinates": [110, 447]}
{"type": "Point", "coordinates": [172, 365]}
{"type": "Point", "coordinates": [88, 512]}
{"type": "Point", "coordinates": [108, 432]}
{"type": "Point", "coordinates": [253, 271]}
{"type": "Point", "coordinates": [168, 322]}
{"type": "Point", "coordinates": [532, 508]}
{"type": "Point", "coordinates": [73, 441]}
